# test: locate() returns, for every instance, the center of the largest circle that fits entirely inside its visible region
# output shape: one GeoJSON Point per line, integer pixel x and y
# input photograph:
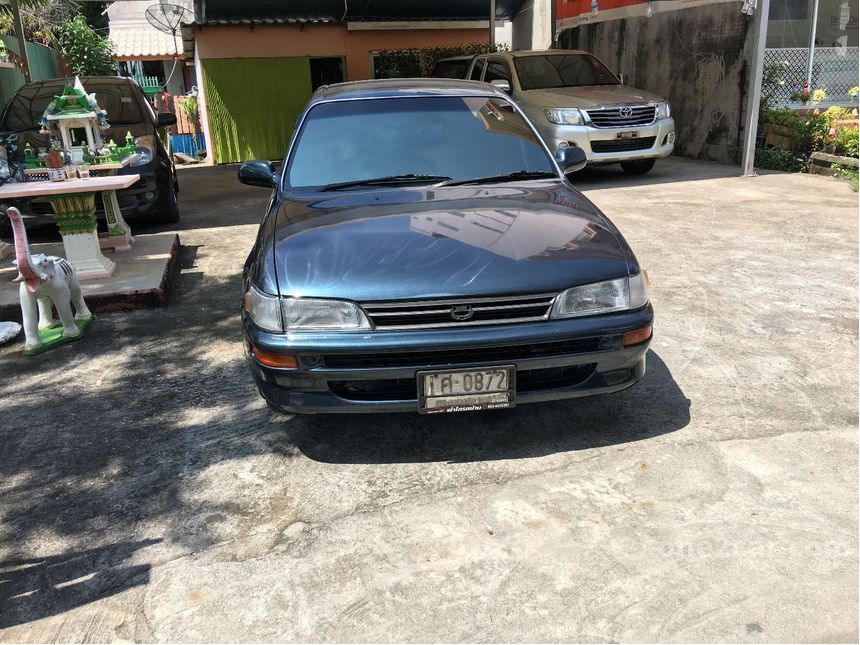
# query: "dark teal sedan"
{"type": "Point", "coordinates": [424, 251]}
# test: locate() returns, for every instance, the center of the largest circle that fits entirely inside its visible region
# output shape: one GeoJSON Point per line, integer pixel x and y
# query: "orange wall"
{"type": "Point", "coordinates": [272, 41]}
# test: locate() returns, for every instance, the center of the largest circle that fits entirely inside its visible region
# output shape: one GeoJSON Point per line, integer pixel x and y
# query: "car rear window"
{"type": "Point", "coordinates": [458, 137]}
{"type": "Point", "coordinates": [26, 107]}
{"type": "Point", "coordinates": [450, 69]}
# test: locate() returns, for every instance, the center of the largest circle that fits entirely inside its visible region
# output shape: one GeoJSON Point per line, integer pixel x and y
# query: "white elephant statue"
{"type": "Point", "coordinates": [46, 280]}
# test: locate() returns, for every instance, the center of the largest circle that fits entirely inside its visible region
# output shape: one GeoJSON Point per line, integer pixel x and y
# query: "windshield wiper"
{"type": "Point", "coordinates": [391, 180]}
{"type": "Point", "coordinates": [510, 176]}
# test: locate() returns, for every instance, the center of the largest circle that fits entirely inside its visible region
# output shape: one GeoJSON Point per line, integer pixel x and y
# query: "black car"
{"type": "Point", "coordinates": [153, 198]}
{"type": "Point", "coordinates": [424, 250]}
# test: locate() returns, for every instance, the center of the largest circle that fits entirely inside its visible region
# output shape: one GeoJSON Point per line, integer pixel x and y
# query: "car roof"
{"type": "Point", "coordinates": [398, 87]}
{"type": "Point", "coordinates": [537, 52]}
{"type": "Point", "coordinates": [466, 57]}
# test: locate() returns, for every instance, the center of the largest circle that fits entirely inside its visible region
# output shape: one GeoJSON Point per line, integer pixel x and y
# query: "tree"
{"type": "Point", "coordinates": [87, 53]}
{"type": "Point", "coordinates": [40, 18]}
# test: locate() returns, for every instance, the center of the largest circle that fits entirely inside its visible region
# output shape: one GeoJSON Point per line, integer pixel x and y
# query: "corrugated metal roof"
{"type": "Point", "coordinates": [134, 42]}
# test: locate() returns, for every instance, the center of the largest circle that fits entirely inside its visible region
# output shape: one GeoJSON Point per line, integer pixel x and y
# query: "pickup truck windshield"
{"type": "Point", "coordinates": [454, 138]}
{"type": "Point", "coordinates": [562, 70]}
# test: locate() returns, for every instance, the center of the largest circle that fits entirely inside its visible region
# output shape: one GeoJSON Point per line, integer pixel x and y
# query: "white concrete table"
{"type": "Point", "coordinates": [74, 207]}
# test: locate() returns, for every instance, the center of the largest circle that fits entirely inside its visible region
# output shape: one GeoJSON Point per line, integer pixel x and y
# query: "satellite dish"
{"type": "Point", "coordinates": [168, 18]}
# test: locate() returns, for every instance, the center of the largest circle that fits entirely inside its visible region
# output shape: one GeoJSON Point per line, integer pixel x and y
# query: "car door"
{"type": "Point", "coordinates": [498, 70]}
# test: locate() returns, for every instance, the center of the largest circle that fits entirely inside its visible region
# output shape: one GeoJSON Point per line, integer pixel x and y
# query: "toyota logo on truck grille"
{"type": "Point", "coordinates": [462, 313]}
{"type": "Point", "coordinates": [626, 112]}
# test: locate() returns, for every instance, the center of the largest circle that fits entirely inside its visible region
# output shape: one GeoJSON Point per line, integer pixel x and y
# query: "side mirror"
{"type": "Point", "coordinates": [165, 119]}
{"type": "Point", "coordinates": [622, 79]}
{"type": "Point", "coordinates": [501, 84]}
{"type": "Point", "coordinates": [257, 173]}
{"type": "Point", "coordinates": [571, 159]}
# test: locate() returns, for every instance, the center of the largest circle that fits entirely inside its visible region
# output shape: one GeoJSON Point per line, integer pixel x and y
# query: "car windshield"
{"type": "Point", "coordinates": [455, 138]}
{"type": "Point", "coordinates": [26, 107]}
{"type": "Point", "coordinates": [562, 70]}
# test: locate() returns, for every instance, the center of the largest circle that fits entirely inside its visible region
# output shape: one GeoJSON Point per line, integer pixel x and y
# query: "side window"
{"type": "Point", "coordinates": [477, 68]}
{"type": "Point", "coordinates": [497, 70]}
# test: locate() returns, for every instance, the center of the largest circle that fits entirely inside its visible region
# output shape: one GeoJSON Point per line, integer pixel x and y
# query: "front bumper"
{"type": "Point", "coordinates": [376, 372]}
{"type": "Point", "coordinates": [652, 141]}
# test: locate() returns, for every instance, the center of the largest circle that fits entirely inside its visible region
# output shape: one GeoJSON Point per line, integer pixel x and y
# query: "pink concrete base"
{"type": "Point", "coordinates": [115, 242]}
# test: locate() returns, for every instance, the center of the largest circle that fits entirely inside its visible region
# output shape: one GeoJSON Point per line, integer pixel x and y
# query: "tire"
{"type": "Point", "coordinates": [168, 211]}
{"type": "Point", "coordinates": [639, 167]}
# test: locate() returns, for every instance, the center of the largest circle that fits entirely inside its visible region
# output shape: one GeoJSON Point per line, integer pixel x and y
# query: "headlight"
{"type": "Point", "coordinates": [663, 111]}
{"type": "Point", "coordinates": [601, 298]}
{"type": "Point", "coordinates": [145, 150]}
{"type": "Point", "coordinates": [563, 116]}
{"type": "Point", "coordinates": [309, 314]}
{"type": "Point", "coordinates": [264, 310]}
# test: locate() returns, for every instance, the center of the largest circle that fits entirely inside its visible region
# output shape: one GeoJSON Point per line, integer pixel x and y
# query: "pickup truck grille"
{"type": "Point", "coordinates": [460, 312]}
{"type": "Point", "coordinates": [618, 117]}
{"type": "Point", "coordinates": [623, 145]}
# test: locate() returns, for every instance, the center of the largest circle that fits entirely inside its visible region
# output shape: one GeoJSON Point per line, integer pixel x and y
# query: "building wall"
{"type": "Point", "coordinates": [695, 58]}
{"type": "Point", "coordinates": [275, 41]}
{"type": "Point", "coordinates": [532, 25]}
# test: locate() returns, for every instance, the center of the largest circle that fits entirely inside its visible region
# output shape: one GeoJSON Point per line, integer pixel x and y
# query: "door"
{"type": "Point", "coordinates": [252, 105]}
{"type": "Point", "coordinates": [326, 71]}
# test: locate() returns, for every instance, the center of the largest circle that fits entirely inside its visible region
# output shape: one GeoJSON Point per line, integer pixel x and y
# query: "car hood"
{"type": "Point", "coordinates": [529, 237]}
{"type": "Point", "coordinates": [590, 97]}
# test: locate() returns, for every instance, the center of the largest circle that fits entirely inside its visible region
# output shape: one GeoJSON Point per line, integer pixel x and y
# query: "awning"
{"type": "Point", "coordinates": [143, 42]}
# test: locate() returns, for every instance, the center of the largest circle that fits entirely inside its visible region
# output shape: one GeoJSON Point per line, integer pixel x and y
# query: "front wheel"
{"type": "Point", "coordinates": [638, 167]}
{"type": "Point", "coordinates": [168, 209]}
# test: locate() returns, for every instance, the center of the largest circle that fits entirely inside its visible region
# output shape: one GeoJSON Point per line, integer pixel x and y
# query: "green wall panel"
{"type": "Point", "coordinates": [253, 103]}
{"type": "Point", "coordinates": [43, 65]}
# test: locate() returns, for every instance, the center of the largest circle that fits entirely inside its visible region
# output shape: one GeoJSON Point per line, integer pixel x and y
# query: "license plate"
{"type": "Point", "coordinates": [465, 390]}
{"type": "Point", "coordinates": [628, 135]}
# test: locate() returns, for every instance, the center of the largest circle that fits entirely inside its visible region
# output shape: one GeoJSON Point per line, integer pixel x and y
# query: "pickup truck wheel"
{"type": "Point", "coordinates": [639, 167]}
{"type": "Point", "coordinates": [168, 211]}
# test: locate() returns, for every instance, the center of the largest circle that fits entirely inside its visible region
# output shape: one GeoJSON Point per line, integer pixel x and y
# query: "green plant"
{"type": "Point", "coordinates": [845, 142]}
{"type": "Point", "coordinates": [846, 174]}
{"type": "Point", "coordinates": [775, 158]}
{"type": "Point", "coordinates": [411, 63]}
{"type": "Point", "coordinates": [189, 107]}
{"type": "Point", "coordinates": [772, 81]}
{"type": "Point", "coordinates": [87, 53]}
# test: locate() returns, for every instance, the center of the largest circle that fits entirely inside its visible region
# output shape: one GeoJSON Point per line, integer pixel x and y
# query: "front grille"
{"type": "Point", "coordinates": [623, 145]}
{"type": "Point", "coordinates": [612, 117]}
{"type": "Point", "coordinates": [445, 357]}
{"type": "Point", "coordinates": [405, 389]}
{"type": "Point", "coordinates": [460, 312]}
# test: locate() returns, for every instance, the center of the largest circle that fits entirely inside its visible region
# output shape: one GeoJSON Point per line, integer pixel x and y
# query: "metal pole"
{"type": "Point", "coordinates": [19, 31]}
{"type": "Point", "coordinates": [754, 90]}
{"type": "Point", "coordinates": [813, 30]}
{"type": "Point", "coordinates": [492, 24]}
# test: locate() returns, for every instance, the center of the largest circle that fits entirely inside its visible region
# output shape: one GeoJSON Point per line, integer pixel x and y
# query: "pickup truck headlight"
{"type": "Point", "coordinates": [563, 116]}
{"type": "Point", "coordinates": [273, 313]}
{"type": "Point", "coordinates": [310, 314]}
{"type": "Point", "coordinates": [145, 150]}
{"type": "Point", "coordinates": [620, 294]}
{"type": "Point", "coordinates": [663, 111]}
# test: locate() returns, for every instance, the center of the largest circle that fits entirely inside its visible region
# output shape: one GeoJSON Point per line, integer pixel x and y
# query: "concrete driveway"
{"type": "Point", "coordinates": [147, 493]}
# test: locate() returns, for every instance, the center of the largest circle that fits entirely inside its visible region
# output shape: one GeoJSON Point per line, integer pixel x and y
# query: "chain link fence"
{"type": "Point", "coordinates": [834, 70]}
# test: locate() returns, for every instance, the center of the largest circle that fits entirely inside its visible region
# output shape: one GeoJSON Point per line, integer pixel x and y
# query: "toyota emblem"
{"type": "Point", "coordinates": [462, 313]}
{"type": "Point", "coordinates": [626, 112]}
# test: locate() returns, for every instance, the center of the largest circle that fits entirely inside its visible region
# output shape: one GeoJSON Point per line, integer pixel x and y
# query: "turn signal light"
{"type": "Point", "coordinates": [274, 359]}
{"type": "Point", "coordinates": [637, 336]}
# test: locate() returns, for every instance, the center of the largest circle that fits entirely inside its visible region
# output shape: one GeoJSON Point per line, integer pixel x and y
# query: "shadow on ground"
{"type": "Point", "coordinates": [34, 588]}
{"type": "Point", "coordinates": [653, 407]}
